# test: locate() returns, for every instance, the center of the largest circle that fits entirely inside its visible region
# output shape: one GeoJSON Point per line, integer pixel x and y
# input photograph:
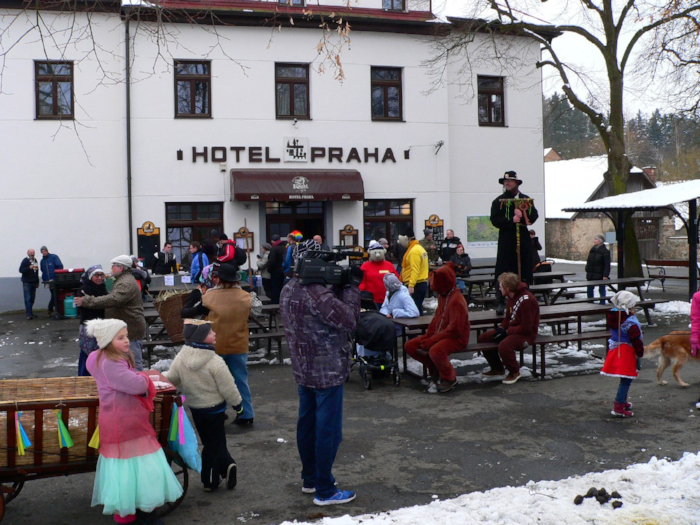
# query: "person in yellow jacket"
{"type": "Point", "coordinates": [414, 267]}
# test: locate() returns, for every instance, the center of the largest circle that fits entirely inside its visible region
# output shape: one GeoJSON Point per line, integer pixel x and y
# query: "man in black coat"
{"type": "Point", "coordinates": [275, 261]}
{"type": "Point", "coordinates": [509, 219]}
{"type": "Point", "coordinates": [29, 268]}
{"type": "Point", "coordinates": [598, 265]}
{"type": "Point", "coordinates": [449, 246]}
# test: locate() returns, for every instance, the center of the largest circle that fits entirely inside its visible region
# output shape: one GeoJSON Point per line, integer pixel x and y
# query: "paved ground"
{"type": "Point", "coordinates": [401, 447]}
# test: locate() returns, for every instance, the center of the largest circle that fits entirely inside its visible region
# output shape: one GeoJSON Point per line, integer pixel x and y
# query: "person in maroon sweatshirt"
{"type": "Point", "coordinates": [519, 326]}
{"type": "Point", "coordinates": [448, 331]}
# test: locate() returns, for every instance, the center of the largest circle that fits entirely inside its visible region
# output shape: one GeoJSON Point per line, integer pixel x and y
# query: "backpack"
{"type": "Point", "coordinates": [229, 252]}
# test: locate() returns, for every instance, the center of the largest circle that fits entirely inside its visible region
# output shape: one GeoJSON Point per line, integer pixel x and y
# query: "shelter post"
{"type": "Point", "coordinates": [621, 243]}
{"type": "Point", "coordinates": [692, 247]}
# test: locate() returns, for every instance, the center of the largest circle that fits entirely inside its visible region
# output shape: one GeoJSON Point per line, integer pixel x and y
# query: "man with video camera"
{"type": "Point", "coordinates": [320, 307]}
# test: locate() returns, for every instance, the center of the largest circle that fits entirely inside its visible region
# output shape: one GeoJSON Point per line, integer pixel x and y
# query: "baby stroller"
{"type": "Point", "coordinates": [375, 346]}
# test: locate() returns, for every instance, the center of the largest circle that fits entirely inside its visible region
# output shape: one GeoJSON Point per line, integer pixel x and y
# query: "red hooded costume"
{"type": "Point", "coordinates": [448, 332]}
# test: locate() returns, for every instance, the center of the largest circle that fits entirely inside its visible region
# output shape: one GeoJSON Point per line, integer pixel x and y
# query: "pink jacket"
{"type": "Point", "coordinates": [125, 428]}
{"type": "Point", "coordinates": [695, 320]}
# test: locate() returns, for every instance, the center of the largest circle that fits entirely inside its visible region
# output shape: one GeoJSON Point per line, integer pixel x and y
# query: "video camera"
{"type": "Point", "coordinates": [324, 268]}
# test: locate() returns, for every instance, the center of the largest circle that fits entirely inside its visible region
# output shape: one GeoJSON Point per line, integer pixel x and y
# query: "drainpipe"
{"type": "Point", "coordinates": [127, 53]}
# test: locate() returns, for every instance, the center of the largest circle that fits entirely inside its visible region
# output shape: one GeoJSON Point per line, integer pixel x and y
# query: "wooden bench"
{"type": "Point", "coordinates": [542, 341]}
{"type": "Point", "coordinates": [276, 336]}
{"type": "Point", "coordinates": [656, 270]}
{"type": "Point", "coordinates": [148, 347]}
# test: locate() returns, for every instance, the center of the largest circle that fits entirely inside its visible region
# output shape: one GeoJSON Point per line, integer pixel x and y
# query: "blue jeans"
{"type": "Point", "coordinates": [136, 348]}
{"type": "Point", "coordinates": [601, 292]}
{"type": "Point", "coordinates": [623, 389]}
{"type": "Point", "coordinates": [238, 365]}
{"type": "Point", "coordinates": [29, 296]}
{"type": "Point", "coordinates": [319, 433]}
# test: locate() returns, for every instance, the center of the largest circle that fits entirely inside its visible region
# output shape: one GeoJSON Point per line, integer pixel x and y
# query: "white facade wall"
{"type": "Point", "coordinates": [65, 185]}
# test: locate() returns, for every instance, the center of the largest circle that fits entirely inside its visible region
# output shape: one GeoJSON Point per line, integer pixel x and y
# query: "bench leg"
{"type": "Point", "coordinates": [534, 360]}
{"type": "Point", "coordinates": [541, 359]}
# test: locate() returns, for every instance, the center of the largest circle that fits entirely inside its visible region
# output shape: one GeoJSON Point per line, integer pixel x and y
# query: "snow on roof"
{"type": "Point", "coordinates": [681, 207]}
{"type": "Point", "coordinates": [653, 198]}
{"type": "Point", "coordinates": [570, 183]}
{"type": "Point", "coordinates": [547, 150]}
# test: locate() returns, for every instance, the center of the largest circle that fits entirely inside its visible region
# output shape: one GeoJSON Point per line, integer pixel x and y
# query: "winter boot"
{"type": "Point", "coordinates": [619, 410]}
{"type": "Point", "coordinates": [628, 405]}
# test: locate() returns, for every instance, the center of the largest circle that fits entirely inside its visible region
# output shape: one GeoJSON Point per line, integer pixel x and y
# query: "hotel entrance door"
{"type": "Point", "coordinates": [284, 217]}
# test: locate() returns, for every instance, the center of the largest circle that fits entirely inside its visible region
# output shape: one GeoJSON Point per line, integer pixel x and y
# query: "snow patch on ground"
{"type": "Point", "coordinates": [673, 308]}
{"type": "Point", "coordinates": [660, 492]}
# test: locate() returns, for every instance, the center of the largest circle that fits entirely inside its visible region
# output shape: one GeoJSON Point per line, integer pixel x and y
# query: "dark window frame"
{"type": "Point", "coordinates": [394, 3]}
{"type": "Point", "coordinates": [196, 225]}
{"type": "Point", "coordinates": [295, 3]}
{"type": "Point", "coordinates": [385, 84]}
{"type": "Point", "coordinates": [54, 79]}
{"type": "Point", "coordinates": [193, 79]}
{"type": "Point", "coordinates": [292, 81]}
{"type": "Point", "coordinates": [387, 218]}
{"type": "Point", "coordinates": [489, 106]}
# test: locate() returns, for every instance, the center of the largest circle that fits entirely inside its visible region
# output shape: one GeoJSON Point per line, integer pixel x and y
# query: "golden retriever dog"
{"type": "Point", "coordinates": [672, 347]}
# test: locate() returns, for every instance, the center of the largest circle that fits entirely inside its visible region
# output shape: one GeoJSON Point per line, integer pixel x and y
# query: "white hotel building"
{"type": "Point", "coordinates": [228, 122]}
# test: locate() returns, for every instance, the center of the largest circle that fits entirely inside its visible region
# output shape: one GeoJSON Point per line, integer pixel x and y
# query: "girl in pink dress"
{"type": "Point", "coordinates": [132, 472]}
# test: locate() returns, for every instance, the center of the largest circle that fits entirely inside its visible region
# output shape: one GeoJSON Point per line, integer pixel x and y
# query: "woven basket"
{"type": "Point", "coordinates": [169, 311]}
{"type": "Point", "coordinates": [25, 392]}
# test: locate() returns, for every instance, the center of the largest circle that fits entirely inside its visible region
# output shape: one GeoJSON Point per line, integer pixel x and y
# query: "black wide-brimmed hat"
{"type": "Point", "coordinates": [227, 272]}
{"type": "Point", "coordinates": [510, 175]}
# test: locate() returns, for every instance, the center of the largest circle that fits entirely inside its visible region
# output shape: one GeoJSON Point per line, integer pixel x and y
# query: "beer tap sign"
{"type": "Point", "coordinates": [524, 207]}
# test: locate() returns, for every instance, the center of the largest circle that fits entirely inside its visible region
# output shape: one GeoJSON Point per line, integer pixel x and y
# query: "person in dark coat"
{"type": "Point", "coordinates": [598, 265]}
{"type": "Point", "coordinates": [462, 264]}
{"type": "Point", "coordinates": [449, 246]}
{"type": "Point", "coordinates": [275, 263]}
{"type": "Point", "coordinates": [536, 247]}
{"type": "Point", "coordinates": [50, 262]}
{"type": "Point", "coordinates": [92, 283]}
{"type": "Point", "coordinates": [29, 268]}
{"type": "Point", "coordinates": [509, 219]}
{"type": "Point", "coordinates": [164, 262]}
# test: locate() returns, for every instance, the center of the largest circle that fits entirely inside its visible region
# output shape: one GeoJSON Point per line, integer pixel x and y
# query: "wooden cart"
{"type": "Point", "coordinates": [77, 403]}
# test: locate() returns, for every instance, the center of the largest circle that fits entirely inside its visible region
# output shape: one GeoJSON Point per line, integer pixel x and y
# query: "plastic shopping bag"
{"type": "Point", "coordinates": [183, 440]}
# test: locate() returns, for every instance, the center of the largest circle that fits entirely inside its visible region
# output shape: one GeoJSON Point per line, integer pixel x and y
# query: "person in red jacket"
{"type": "Point", "coordinates": [448, 332]}
{"type": "Point", "coordinates": [374, 271]}
{"type": "Point", "coordinates": [519, 326]}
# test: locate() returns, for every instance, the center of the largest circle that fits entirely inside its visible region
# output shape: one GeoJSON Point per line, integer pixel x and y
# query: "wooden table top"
{"type": "Point", "coordinates": [632, 281]}
{"type": "Point", "coordinates": [486, 316]}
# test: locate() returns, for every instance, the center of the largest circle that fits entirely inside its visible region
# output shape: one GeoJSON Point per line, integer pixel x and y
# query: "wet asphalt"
{"type": "Point", "coordinates": [402, 446]}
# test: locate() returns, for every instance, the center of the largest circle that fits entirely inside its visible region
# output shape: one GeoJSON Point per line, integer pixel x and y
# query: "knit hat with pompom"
{"type": "Point", "coordinates": [104, 330]}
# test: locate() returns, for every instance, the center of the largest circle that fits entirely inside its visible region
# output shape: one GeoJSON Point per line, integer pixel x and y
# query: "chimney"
{"type": "Point", "coordinates": [650, 172]}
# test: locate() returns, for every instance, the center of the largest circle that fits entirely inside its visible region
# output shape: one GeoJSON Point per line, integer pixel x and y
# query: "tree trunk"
{"type": "Point", "coordinates": [619, 167]}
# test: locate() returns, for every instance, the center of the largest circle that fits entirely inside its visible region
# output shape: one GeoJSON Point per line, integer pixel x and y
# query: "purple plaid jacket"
{"type": "Point", "coordinates": [317, 322]}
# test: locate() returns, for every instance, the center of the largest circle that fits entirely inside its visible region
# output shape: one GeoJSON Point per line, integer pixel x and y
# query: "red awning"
{"type": "Point", "coordinates": [297, 185]}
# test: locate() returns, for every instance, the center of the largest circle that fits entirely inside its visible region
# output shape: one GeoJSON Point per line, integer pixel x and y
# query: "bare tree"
{"type": "Point", "coordinates": [619, 32]}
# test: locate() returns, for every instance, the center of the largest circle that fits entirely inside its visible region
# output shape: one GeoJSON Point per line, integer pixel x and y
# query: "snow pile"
{"type": "Point", "coordinates": [673, 307]}
{"type": "Point", "coordinates": [163, 365]}
{"type": "Point", "coordinates": [659, 492]}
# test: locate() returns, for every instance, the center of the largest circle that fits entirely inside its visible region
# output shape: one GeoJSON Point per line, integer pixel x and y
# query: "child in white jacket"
{"type": "Point", "coordinates": [398, 302]}
{"type": "Point", "coordinates": [208, 385]}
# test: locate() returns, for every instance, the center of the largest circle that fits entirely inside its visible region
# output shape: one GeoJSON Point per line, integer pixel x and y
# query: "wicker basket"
{"type": "Point", "coordinates": [168, 309]}
{"type": "Point", "coordinates": [27, 394]}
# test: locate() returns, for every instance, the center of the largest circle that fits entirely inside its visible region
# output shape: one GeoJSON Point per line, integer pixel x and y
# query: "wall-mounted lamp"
{"type": "Point", "coordinates": [440, 144]}
{"type": "Point", "coordinates": [295, 122]}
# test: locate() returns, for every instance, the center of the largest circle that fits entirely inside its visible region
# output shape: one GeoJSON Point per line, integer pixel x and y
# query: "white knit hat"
{"type": "Point", "coordinates": [123, 260]}
{"type": "Point", "coordinates": [104, 330]}
{"type": "Point", "coordinates": [624, 300]}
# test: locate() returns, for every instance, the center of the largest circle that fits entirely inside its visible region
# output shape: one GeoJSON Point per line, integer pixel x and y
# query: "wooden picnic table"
{"type": "Point", "coordinates": [490, 317]}
{"type": "Point", "coordinates": [485, 282]}
{"type": "Point", "coordinates": [545, 290]}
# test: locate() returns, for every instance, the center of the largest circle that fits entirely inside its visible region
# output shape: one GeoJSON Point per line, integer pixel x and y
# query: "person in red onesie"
{"type": "Point", "coordinates": [448, 332]}
{"type": "Point", "coordinates": [374, 271]}
{"type": "Point", "coordinates": [519, 326]}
